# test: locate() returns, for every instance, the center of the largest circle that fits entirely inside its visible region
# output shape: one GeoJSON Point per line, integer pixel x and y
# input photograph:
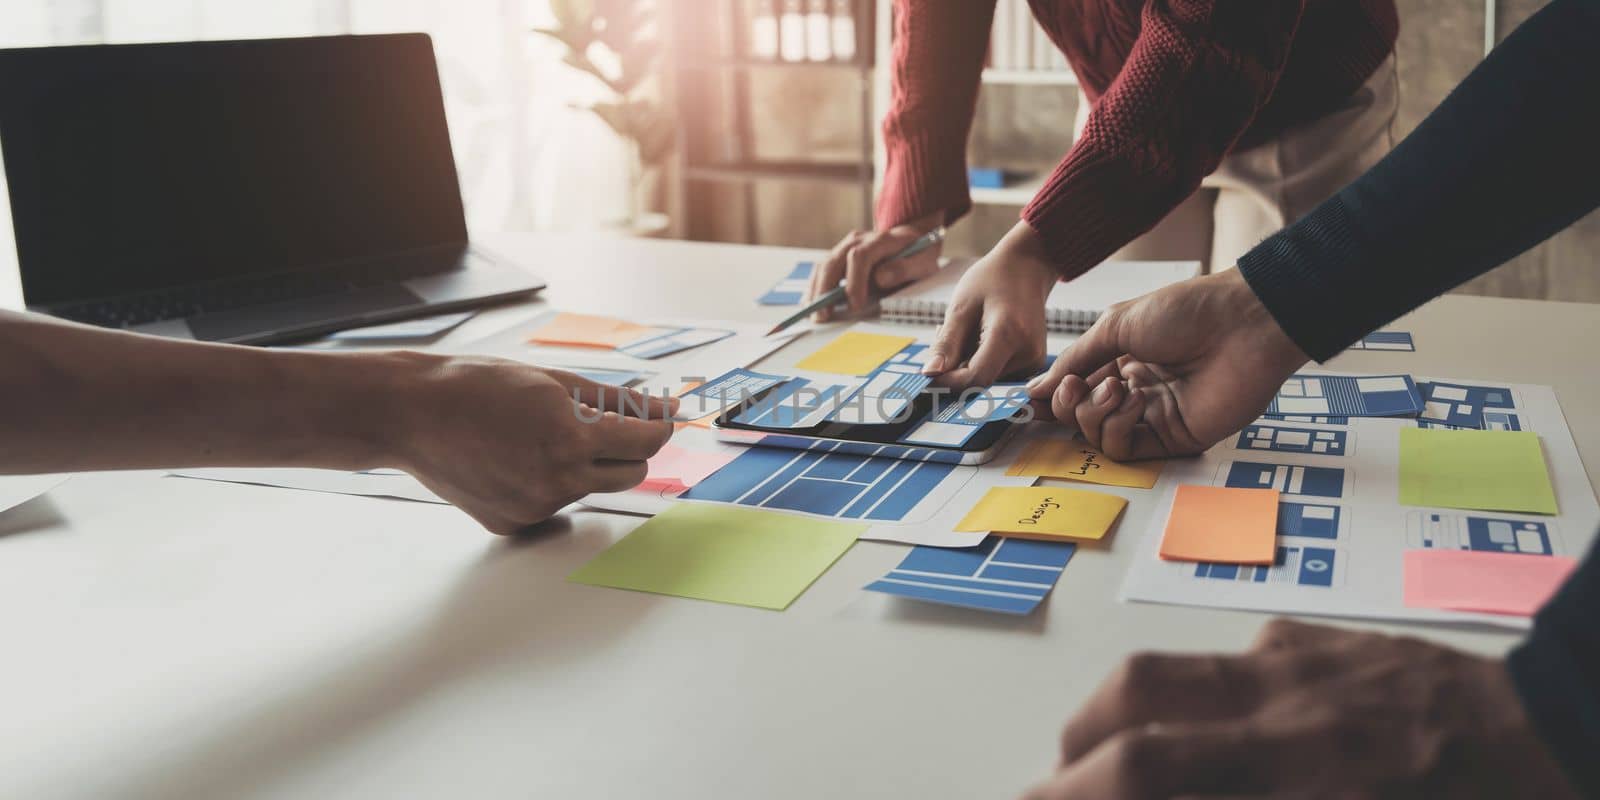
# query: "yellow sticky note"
{"type": "Point", "coordinates": [587, 330]}
{"type": "Point", "coordinates": [1044, 512]}
{"type": "Point", "coordinates": [1218, 523]}
{"type": "Point", "coordinates": [1481, 470]}
{"type": "Point", "coordinates": [1075, 460]}
{"type": "Point", "coordinates": [722, 553]}
{"type": "Point", "coordinates": [855, 353]}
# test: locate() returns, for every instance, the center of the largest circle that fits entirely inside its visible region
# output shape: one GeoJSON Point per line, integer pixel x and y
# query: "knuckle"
{"type": "Point", "coordinates": [1278, 632]}
{"type": "Point", "coordinates": [1135, 757]}
{"type": "Point", "coordinates": [1134, 677]}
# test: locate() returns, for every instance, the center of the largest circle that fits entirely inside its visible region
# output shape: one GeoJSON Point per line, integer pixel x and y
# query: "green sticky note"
{"type": "Point", "coordinates": [722, 553]}
{"type": "Point", "coordinates": [1482, 470]}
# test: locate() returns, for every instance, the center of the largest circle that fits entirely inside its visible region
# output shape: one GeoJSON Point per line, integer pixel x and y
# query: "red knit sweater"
{"type": "Point", "coordinates": [1176, 84]}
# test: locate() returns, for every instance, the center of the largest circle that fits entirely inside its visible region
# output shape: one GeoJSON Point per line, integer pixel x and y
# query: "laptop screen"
{"type": "Point", "coordinates": [139, 167]}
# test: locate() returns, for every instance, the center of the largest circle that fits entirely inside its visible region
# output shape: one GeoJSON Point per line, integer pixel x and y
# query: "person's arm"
{"type": "Point", "coordinates": [934, 72]}
{"type": "Point", "coordinates": [1198, 74]}
{"type": "Point", "coordinates": [1506, 161]}
{"type": "Point", "coordinates": [504, 441]}
{"type": "Point", "coordinates": [1557, 674]}
{"type": "Point", "coordinates": [935, 69]}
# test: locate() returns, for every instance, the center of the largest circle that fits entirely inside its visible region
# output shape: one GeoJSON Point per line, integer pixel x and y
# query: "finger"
{"type": "Point", "coordinates": [1156, 687]}
{"type": "Point", "coordinates": [1092, 411]}
{"type": "Point", "coordinates": [827, 275]}
{"type": "Point", "coordinates": [1117, 429]}
{"type": "Point", "coordinates": [605, 397]}
{"type": "Point", "coordinates": [1064, 403]}
{"type": "Point", "coordinates": [891, 274]}
{"type": "Point", "coordinates": [1044, 385]}
{"type": "Point", "coordinates": [1283, 633]}
{"type": "Point", "coordinates": [1096, 348]}
{"type": "Point", "coordinates": [951, 342]}
{"type": "Point", "coordinates": [1164, 419]}
{"type": "Point", "coordinates": [617, 476]}
{"type": "Point", "coordinates": [997, 349]}
{"type": "Point", "coordinates": [1159, 688]}
{"type": "Point", "coordinates": [628, 438]}
{"type": "Point", "coordinates": [1163, 761]}
{"type": "Point", "coordinates": [1294, 756]}
{"type": "Point", "coordinates": [862, 260]}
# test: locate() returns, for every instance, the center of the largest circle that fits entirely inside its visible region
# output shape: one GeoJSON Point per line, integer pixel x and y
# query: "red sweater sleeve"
{"type": "Point", "coordinates": [939, 48]}
{"type": "Point", "coordinates": [1198, 73]}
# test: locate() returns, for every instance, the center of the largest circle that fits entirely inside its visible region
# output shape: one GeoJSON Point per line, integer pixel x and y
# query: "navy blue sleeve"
{"type": "Point", "coordinates": [1557, 673]}
{"type": "Point", "coordinates": [1508, 159]}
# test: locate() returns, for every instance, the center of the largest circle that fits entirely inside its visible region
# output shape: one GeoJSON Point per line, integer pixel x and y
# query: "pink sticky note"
{"type": "Point", "coordinates": [1494, 583]}
{"type": "Point", "coordinates": [675, 468]}
{"type": "Point", "coordinates": [672, 485]}
{"type": "Point", "coordinates": [694, 467]}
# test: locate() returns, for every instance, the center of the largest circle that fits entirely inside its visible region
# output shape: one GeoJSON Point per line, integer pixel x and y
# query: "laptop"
{"type": "Point", "coordinates": [245, 191]}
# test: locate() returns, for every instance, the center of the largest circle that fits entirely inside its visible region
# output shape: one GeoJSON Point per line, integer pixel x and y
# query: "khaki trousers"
{"type": "Point", "coordinates": [1257, 190]}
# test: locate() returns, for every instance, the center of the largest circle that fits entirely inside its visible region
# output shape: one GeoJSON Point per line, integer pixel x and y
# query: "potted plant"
{"type": "Point", "coordinates": [617, 42]}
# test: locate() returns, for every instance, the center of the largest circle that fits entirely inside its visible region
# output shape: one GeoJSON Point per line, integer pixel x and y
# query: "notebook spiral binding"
{"type": "Point", "coordinates": [931, 312]}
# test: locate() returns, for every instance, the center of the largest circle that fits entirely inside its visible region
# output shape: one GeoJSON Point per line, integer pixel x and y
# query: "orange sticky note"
{"type": "Point", "coordinates": [1216, 523]}
{"type": "Point", "coordinates": [587, 330]}
{"type": "Point", "coordinates": [1474, 580]}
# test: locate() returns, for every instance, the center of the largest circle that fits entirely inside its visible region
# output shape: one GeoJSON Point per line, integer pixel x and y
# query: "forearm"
{"type": "Point", "coordinates": [80, 398]}
{"type": "Point", "coordinates": [1504, 162]}
{"type": "Point", "coordinates": [1557, 674]}
{"type": "Point", "coordinates": [935, 69]}
{"type": "Point", "coordinates": [1194, 82]}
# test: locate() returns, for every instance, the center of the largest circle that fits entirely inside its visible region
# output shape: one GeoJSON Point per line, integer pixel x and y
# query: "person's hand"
{"type": "Point", "coordinates": [859, 261]}
{"type": "Point", "coordinates": [1170, 373]}
{"type": "Point", "coordinates": [511, 444]}
{"type": "Point", "coordinates": [995, 323]}
{"type": "Point", "coordinates": [1308, 711]}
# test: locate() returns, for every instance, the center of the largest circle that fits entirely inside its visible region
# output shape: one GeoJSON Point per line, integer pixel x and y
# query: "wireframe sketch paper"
{"type": "Point", "coordinates": [1342, 530]}
{"type": "Point", "coordinates": [1008, 576]}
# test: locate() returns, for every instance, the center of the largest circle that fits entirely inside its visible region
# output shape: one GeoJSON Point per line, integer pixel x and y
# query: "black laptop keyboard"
{"type": "Point", "coordinates": [187, 301]}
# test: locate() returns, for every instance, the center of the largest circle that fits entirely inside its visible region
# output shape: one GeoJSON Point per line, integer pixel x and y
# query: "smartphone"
{"type": "Point", "coordinates": [934, 427]}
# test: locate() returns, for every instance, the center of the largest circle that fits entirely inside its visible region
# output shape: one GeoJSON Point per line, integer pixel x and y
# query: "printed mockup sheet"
{"type": "Point", "coordinates": [1342, 532]}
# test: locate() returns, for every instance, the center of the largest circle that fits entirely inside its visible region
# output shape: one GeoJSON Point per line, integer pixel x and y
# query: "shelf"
{"type": "Point", "coordinates": [1030, 77]}
{"type": "Point", "coordinates": [1019, 195]}
{"type": "Point", "coordinates": [752, 63]}
{"type": "Point", "coordinates": [778, 170]}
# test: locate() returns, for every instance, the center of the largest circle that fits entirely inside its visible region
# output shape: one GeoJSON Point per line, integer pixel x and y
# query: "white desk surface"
{"type": "Point", "coordinates": [173, 638]}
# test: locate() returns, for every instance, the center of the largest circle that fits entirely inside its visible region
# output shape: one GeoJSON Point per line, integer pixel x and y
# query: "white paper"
{"type": "Point", "coordinates": [383, 483]}
{"type": "Point", "coordinates": [1362, 563]}
{"type": "Point", "coordinates": [18, 489]}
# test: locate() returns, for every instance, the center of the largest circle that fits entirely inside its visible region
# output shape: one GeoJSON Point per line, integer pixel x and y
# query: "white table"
{"type": "Point", "coordinates": [177, 638]}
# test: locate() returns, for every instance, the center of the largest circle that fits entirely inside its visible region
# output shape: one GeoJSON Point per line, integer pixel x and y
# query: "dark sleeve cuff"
{"type": "Point", "coordinates": [1557, 674]}
{"type": "Point", "coordinates": [1296, 274]}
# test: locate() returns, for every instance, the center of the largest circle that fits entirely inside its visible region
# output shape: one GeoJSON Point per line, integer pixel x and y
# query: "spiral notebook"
{"type": "Point", "coordinates": [1071, 307]}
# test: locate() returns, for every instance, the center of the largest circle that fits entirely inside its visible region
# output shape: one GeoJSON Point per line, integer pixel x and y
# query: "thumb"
{"type": "Point", "coordinates": [1097, 347]}
{"type": "Point", "coordinates": [949, 347]}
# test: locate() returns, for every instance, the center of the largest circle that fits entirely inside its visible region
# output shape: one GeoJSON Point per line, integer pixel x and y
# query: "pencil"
{"type": "Point", "coordinates": [831, 298]}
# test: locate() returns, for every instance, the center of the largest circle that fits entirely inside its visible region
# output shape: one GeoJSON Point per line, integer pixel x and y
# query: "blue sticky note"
{"type": "Point", "coordinates": [677, 340]}
{"type": "Point", "coordinates": [609, 377]}
{"type": "Point", "coordinates": [1008, 576]}
{"type": "Point", "coordinates": [790, 290]}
